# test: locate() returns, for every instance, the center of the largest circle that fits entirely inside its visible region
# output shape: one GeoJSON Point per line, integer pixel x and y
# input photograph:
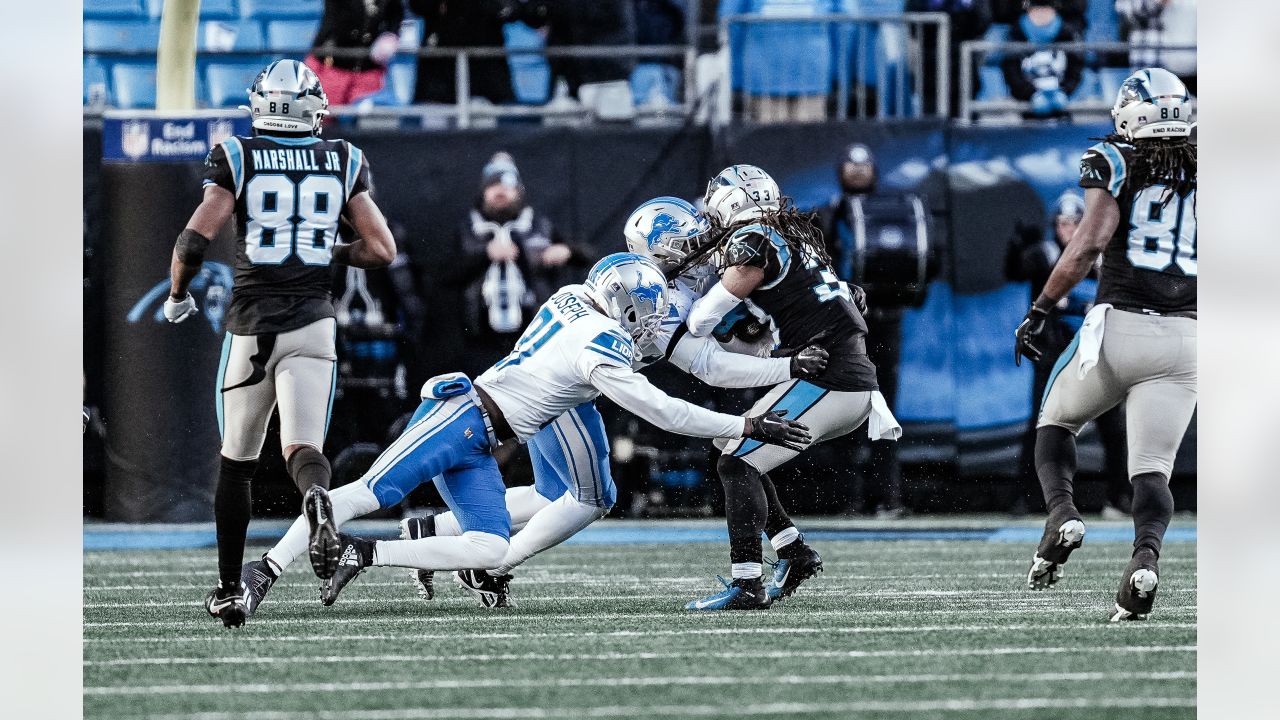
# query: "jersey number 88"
{"type": "Point", "coordinates": [287, 218]}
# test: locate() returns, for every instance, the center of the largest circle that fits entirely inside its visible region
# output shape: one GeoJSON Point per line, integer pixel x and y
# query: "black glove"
{"type": "Point", "coordinates": [771, 428]}
{"type": "Point", "coordinates": [1028, 333]}
{"type": "Point", "coordinates": [809, 363]}
{"type": "Point", "coordinates": [859, 298]}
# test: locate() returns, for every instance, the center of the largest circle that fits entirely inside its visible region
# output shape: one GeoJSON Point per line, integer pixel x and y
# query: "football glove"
{"type": "Point", "coordinates": [175, 311]}
{"type": "Point", "coordinates": [809, 363]}
{"type": "Point", "coordinates": [772, 428]}
{"type": "Point", "coordinates": [1028, 334]}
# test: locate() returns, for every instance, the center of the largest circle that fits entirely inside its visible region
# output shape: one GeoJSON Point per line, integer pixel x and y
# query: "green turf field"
{"type": "Point", "coordinates": [897, 629]}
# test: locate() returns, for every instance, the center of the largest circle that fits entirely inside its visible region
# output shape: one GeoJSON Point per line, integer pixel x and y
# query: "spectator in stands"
{"type": "Point", "coordinates": [371, 27]}
{"type": "Point", "coordinates": [469, 23]}
{"type": "Point", "coordinates": [969, 21]}
{"type": "Point", "coordinates": [1161, 22]}
{"type": "Point", "coordinates": [1073, 12]}
{"type": "Point", "coordinates": [591, 22]}
{"type": "Point", "coordinates": [783, 70]}
{"type": "Point", "coordinates": [1043, 77]}
{"type": "Point", "coordinates": [508, 259]}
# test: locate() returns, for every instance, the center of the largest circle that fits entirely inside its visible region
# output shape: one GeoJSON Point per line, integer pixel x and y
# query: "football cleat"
{"type": "Point", "coordinates": [226, 604]}
{"type": "Point", "coordinates": [357, 554]}
{"type": "Point", "coordinates": [491, 590]}
{"type": "Point", "coordinates": [256, 578]}
{"type": "Point", "coordinates": [1138, 587]}
{"type": "Point", "coordinates": [323, 546]}
{"type": "Point", "coordinates": [741, 594]}
{"type": "Point", "coordinates": [414, 528]}
{"type": "Point", "coordinates": [1061, 536]}
{"type": "Point", "coordinates": [796, 563]}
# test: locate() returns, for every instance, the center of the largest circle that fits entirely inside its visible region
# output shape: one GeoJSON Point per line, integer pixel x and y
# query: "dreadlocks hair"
{"type": "Point", "coordinates": [801, 230]}
{"type": "Point", "coordinates": [1170, 162]}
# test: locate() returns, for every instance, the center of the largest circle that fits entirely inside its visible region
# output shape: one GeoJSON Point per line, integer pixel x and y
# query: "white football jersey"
{"type": "Point", "coordinates": [549, 370]}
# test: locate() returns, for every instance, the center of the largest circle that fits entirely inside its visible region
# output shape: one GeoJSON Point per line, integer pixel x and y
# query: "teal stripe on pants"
{"type": "Point", "coordinates": [1063, 360]}
{"type": "Point", "coordinates": [222, 373]}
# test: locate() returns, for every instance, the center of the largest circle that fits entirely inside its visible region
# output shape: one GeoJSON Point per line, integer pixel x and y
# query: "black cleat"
{"type": "Point", "coordinates": [1138, 587]}
{"type": "Point", "coordinates": [491, 590]}
{"type": "Point", "coordinates": [796, 563]}
{"type": "Point", "coordinates": [323, 547]}
{"type": "Point", "coordinates": [256, 578]}
{"type": "Point", "coordinates": [226, 603]}
{"type": "Point", "coordinates": [414, 528]}
{"type": "Point", "coordinates": [741, 594]}
{"type": "Point", "coordinates": [357, 554]}
{"type": "Point", "coordinates": [1062, 534]}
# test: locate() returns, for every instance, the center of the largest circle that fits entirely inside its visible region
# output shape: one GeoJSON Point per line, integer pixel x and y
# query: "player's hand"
{"type": "Point", "coordinates": [772, 428]}
{"type": "Point", "coordinates": [1028, 334]}
{"type": "Point", "coordinates": [175, 311]}
{"type": "Point", "coordinates": [859, 298]}
{"type": "Point", "coordinates": [809, 363]}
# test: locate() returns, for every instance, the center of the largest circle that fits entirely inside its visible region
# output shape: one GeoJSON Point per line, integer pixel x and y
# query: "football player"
{"type": "Point", "coordinates": [582, 343]}
{"type": "Point", "coordinates": [573, 486]}
{"type": "Point", "coordinates": [774, 257]}
{"type": "Point", "coordinates": [287, 190]}
{"type": "Point", "coordinates": [1138, 344]}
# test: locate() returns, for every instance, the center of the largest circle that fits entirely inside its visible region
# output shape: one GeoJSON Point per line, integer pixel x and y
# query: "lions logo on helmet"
{"type": "Point", "coordinates": [287, 96]}
{"type": "Point", "coordinates": [666, 229]}
{"type": "Point", "coordinates": [741, 192]}
{"type": "Point", "coordinates": [632, 290]}
{"type": "Point", "coordinates": [1152, 103]}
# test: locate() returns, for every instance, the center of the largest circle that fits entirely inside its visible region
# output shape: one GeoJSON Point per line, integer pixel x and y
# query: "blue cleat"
{"type": "Point", "coordinates": [796, 563]}
{"type": "Point", "coordinates": [741, 594]}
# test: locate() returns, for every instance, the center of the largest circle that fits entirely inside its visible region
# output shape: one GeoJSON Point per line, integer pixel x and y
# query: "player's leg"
{"type": "Point", "coordinates": [1158, 413]}
{"type": "Point", "coordinates": [797, 561]}
{"type": "Point", "coordinates": [245, 397]}
{"type": "Point", "coordinates": [306, 377]}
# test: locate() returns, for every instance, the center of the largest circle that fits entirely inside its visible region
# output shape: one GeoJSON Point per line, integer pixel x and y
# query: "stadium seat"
{"type": "Point", "coordinates": [402, 77]}
{"type": "Point", "coordinates": [995, 33]}
{"type": "Point", "coordinates": [209, 9]}
{"type": "Point", "coordinates": [530, 74]}
{"type": "Point", "coordinates": [269, 9]}
{"type": "Point", "coordinates": [1089, 87]}
{"type": "Point", "coordinates": [286, 35]}
{"type": "Point", "coordinates": [120, 35]}
{"type": "Point", "coordinates": [113, 9]}
{"type": "Point", "coordinates": [222, 36]}
{"type": "Point", "coordinates": [991, 84]}
{"type": "Point", "coordinates": [134, 84]}
{"type": "Point", "coordinates": [226, 81]}
{"type": "Point", "coordinates": [654, 80]}
{"type": "Point", "coordinates": [96, 85]}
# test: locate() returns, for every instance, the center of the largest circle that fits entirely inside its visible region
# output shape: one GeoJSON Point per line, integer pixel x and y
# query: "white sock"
{"type": "Point", "coordinates": [553, 524]}
{"type": "Point", "coordinates": [784, 538]}
{"type": "Point", "coordinates": [349, 501]}
{"type": "Point", "coordinates": [468, 550]}
{"type": "Point", "coordinates": [747, 570]}
{"type": "Point", "coordinates": [522, 503]}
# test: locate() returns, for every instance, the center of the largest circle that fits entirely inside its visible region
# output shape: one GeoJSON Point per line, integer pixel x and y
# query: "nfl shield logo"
{"type": "Point", "coordinates": [134, 138]}
{"type": "Point", "coordinates": [220, 130]}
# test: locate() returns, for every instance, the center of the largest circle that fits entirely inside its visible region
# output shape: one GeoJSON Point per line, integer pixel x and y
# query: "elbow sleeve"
{"type": "Point", "coordinates": [190, 247]}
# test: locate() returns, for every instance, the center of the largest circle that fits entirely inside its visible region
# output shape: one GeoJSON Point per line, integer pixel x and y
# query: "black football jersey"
{"type": "Point", "coordinates": [805, 299]}
{"type": "Point", "coordinates": [1150, 261]}
{"type": "Point", "coordinates": [290, 194]}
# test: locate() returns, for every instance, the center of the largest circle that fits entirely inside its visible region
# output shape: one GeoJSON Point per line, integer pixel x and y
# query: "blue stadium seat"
{"type": "Point", "coordinates": [402, 77]}
{"type": "Point", "coordinates": [209, 9]}
{"type": "Point", "coordinates": [1089, 88]}
{"type": "Point", "coordinates": [1104, 23]}
{"type": "Point", "coordinates": [530, 74]}
{"type": "Point", "coordinates": [283, 35]}
{"type": "Point", "coordinates": [95, 80]}
{"type": "Point", "coordinates": [134, 84]}
{"type": "Point", "coordinates": [107, 35]}
{"type": "Point", "coordinates": [270, 9]}
{"type": "Point", "coordinates": [113, 9]}
{"type": "Point", "coordinates": [226, 81]}
{"type": "Point", "coordinates": [649, 78]}
{"type": "Point", "coordinates": [991, 84]}
{"type": "Point", "coordinates": [995, 33]}
{"type": "Point", "coordinates": [219, 35]}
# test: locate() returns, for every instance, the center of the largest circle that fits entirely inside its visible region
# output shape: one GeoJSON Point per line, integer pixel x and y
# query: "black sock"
{"type": "Point", "coordinates": [1152, 510]}
{"type": "Point", "coordinates": [777, 520]}
{"type": "Point", "coordinates": [745, 507]}
{"type": "Point", "coordinates": [232, 505]}
{"type": "Point", "coordinates": [1056, 467]}
{"type": "Point", "coordinates": [309, 467]}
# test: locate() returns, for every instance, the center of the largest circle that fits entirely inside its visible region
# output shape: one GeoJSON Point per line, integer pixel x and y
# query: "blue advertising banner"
{"type": "Point", "coordinates": [167, 138]}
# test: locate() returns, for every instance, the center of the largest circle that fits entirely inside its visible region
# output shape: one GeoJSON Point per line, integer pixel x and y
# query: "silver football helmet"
{"type": "Point", "coordinates": [741, 192]}
{"type": "Point", "coordinates": [286, 96]}
{"type": "Point", "coordinates": [1152, 103]}
{"type": "Point", "coordinates": [666, 229]}
{"type": "Point", "coordinates": [631, 289]}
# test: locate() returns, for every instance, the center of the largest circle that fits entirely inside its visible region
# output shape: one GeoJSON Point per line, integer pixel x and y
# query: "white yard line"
{"type": "Point", "coordinates": [630, 656]}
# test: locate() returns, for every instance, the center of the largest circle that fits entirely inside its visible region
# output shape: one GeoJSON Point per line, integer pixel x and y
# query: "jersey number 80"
{"type": "Point", "coordinates": [287, 218]}
{"type": "Point", "coordinates": [1163, 235]}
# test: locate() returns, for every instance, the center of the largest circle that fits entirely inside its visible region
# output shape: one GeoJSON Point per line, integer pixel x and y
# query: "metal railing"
{"type": "Point", "coordinates": [973, 51]}
{"type": "Point", "coordinates": [906, 29]}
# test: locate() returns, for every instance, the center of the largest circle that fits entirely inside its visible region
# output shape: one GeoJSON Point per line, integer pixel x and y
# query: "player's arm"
{"type": "Point", "coordinates": [633, 392]}
{"type": "Point", "coordinates": [188, 252]}
{"type": "Point", "coordinates": [735, 285]}
{"type": "Point", "coordinates": [706, 360]}
{"type": "Point", "coordinates": [375, 246]}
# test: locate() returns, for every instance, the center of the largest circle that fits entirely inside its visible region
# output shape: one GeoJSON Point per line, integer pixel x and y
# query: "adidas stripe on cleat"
{"type": "Point", "coordinates": [357, 554]}
{"type": "Point", "coordinates": [256, 578]}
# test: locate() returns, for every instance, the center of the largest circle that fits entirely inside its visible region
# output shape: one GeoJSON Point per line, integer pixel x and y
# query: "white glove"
{"type": "Point", "coordinates": [177, 311]}
{"type": "Point", "coordinates": [384, 48]}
